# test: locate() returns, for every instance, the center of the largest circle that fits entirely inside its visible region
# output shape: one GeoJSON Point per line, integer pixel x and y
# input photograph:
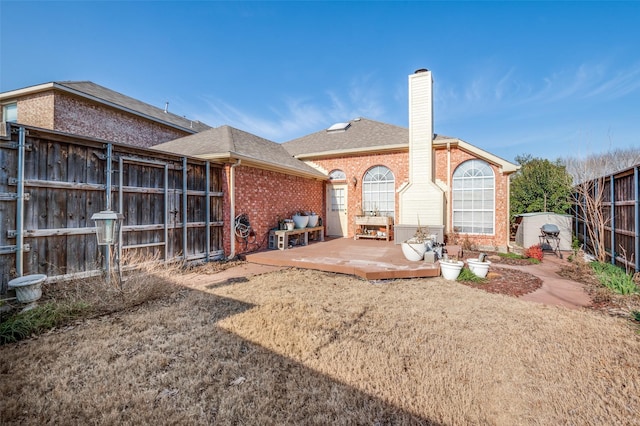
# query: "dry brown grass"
{"type": "Point", "coordinates": [306, 347]}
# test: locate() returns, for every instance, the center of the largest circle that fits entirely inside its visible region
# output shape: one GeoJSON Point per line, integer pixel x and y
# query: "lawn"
{"type": "Point", "coordinates": [307, 347]}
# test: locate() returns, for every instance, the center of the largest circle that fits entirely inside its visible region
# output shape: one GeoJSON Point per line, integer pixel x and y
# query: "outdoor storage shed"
{"type": "Point", "coordinates": [529, 224]}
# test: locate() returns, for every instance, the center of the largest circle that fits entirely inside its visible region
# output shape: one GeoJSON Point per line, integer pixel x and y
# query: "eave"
{"type": "Point", "coordinates": [231, 157]}
{"type": "Point", "coordinates": [353, 151]}
{"type": "Point", "coordinates": [55, 86]}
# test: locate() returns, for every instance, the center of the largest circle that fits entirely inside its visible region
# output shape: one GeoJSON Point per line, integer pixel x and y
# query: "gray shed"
{"type": "Point", "coordinates": [529, 224]}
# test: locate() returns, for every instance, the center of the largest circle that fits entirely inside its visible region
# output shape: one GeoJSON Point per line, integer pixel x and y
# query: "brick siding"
{"type": "Point", "coordinates": [501, 220]}
{"type": "Point", "coordinates": [267, 196]}
{"type": "Point", "coordinates": [66, 113]}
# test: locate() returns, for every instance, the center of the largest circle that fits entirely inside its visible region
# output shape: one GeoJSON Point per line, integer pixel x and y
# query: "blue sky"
{"type": "Point", "coordinates": [550, 79]}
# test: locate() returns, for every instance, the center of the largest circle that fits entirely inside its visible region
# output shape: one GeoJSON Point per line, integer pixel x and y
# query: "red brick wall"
{"type": "Point", "coordinates": [37, 110]}
{"type": "Point", "coordinates": [77, 116]}
{"type": "Point", "coordinates": [357, 166]}
{"type": "Point", "coordinates": [458, 156]}
{"type": "Point", "coordinates": [399, 164]}
{"type": "Point", "coordinates": [66, 113]}
{"type": "Point", "coordinates": [267, 196]}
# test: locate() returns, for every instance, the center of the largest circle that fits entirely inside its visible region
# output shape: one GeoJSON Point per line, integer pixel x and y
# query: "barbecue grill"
{"type": "Point", "coordinates": [550, 238]}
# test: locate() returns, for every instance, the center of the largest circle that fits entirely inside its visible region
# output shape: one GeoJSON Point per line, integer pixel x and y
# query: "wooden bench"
{"type": "Point", "coordinates": [282, 236]}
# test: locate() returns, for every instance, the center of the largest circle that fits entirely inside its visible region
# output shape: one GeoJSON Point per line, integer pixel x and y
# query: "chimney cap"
{"type": "Point", "coordinates": [421, 70]}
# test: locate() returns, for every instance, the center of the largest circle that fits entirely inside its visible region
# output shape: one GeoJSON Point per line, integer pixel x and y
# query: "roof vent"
{"type": "Point", "coordinates": [421, 70]}
{"type": "Point", "coordinates": [339, 127]}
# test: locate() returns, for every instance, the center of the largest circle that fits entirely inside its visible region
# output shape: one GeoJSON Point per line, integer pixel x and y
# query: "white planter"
{"type": "Point", "coordinates": [289, 225]}
{"type": "Point", "coordinates": [480, 269]}
{"type": "Point", "coordinates": [313, 221]}
{"type": "Point", "coordinates": [413, 251]}
{"type": "Point", "coordinates": [300, 221]}
{"type": "Point", "coordinates": [450, 270]}
{"type": "Point", "coordinates": [28, 287]}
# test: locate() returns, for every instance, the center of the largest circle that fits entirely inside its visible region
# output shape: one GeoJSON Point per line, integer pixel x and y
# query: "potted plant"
{"type": "Point", "coordinates": [289, 224]}
{"type": "Point", "coordinates": [300, 219]}
{"type": "Point", "coordinates": [313, 220]}
{"type": "Point", "coordinates": [415, 247]}
{"type": "Point", "coordinates": [479, 266]}
{"type": "Point", "coordinates": [450, 267]}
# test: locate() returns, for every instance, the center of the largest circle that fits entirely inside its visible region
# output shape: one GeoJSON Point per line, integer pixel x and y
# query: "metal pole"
{"type": "Point", "coordinates": [208, 209]}
{"type": "Point", "coordinates": [166, 213]}
{"type": "Point", "coordinates": [107, 255]}
{"type": "Point", "coordinates": [120, 195]}
{"type": "Point", "coordinates": [184, 207]}
{"type": "Point", "coordinates": [20, 204]}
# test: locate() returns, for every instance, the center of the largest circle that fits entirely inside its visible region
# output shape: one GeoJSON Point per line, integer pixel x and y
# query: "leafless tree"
{"type": "Point", "coordinates": [597, 165]}
{"type": "Point", "coordinates": [591, 188]}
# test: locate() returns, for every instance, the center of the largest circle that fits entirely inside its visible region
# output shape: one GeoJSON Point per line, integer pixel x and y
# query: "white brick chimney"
{"type": "Point", "coordinates": [421, 199]}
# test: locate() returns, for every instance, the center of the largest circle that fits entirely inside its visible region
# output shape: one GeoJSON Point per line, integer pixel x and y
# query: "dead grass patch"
{"type": "Point", "coordinates": [307, 347]}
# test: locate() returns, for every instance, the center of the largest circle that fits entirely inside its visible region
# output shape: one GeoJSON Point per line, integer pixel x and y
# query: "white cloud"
{"type": "Point", "coordinates": [292, 117]}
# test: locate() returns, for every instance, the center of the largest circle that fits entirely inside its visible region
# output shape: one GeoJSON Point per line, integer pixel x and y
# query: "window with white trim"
{"type": "Point", "coordinates": [10, 112]}
{"type": "Point", "coordinates": [337, 175]}
{"type": "Point", "coordinates": [379, 191]}
{"type": "Point", "coordinates": [473, 198]}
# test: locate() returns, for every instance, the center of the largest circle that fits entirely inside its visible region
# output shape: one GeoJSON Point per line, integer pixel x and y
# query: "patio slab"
{"type": "Point", "coordinates": [368, 259]}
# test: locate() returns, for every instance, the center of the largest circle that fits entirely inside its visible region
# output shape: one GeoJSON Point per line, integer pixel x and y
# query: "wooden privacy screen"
{"type": "Point", "coordinates": [52, 183]}
{"type": "Point", "coordinates": [618, 196]}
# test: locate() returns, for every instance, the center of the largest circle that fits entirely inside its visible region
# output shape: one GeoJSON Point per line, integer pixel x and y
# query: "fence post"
{"type": "Point", "coordinates": [636, 182]}
{"type": "Point", "coordinates": [184, 208]}
{"type": "Point", "coordinates": [207, 209]}
{"type": "Point", "coordinates": [20, 203]}
{"type": "Point", "coordinates": [613, 220]}
{"type": "Point", "coordinates": [109, 170]}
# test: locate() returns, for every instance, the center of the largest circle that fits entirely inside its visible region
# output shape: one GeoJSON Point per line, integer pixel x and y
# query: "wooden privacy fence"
{"type": "Point", "coordinates": [52, 183]}
{"type": "Point", "coordinates": [619, 196]}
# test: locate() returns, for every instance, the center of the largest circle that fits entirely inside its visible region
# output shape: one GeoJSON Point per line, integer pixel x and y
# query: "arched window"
{"type": "Point", "coordinates": [379, 191]}
{"type": "Point", "coordinates": [473, 198]}
{"type": "Point", "coordinates": [337, 175]}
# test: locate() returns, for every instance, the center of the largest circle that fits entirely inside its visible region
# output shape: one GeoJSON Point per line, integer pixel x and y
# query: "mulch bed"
{"type": "Point", "coordinates": [510, 282]}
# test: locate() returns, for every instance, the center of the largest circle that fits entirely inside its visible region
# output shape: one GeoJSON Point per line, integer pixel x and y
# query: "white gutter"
{"type": "Point", "coordinates": [354, 151]}
{"type": "Point", "coordinates": [449, 212]}
{"type": "Point", "coordinates": [232, 208]}
{"type": "Point", "coordinates": [265, 165]}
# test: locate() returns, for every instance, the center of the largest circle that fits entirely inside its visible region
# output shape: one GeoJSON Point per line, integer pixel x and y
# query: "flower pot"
{"type": "Point", "coordinates": [413, 251]}
{"type": "Point", "coordinates": [289, 226]}
{"type": "Point", "coordinates": [300, 221]}
{"type": "Point", "coordinates": [313, 221]}
{"type": "Point", "coordinates": [451, 269]}
{"type": "Point", "coordinates": [479, 268]}
{"type": "Point", "coordinates": [28, 287]}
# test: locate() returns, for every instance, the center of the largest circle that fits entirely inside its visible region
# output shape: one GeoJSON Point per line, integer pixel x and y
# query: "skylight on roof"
{"type": "Point", "coordinates": [339, 127]}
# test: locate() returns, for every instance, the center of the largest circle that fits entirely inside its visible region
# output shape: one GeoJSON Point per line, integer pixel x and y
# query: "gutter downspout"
{"type": "Point", "coordinates": [449, 190]}
{"type": "Point", "coordinates": [232, 208]}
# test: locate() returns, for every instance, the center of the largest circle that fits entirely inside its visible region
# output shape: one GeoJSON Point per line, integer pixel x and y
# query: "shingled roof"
{"type": "Point", "coordinates": [134, 105]}
{"type": "Point", "coordinates": [360, 135]}
{"type": "Point", "coordinates": [226, 143]}
{"type": "Point", "coordinates": [100, 94]}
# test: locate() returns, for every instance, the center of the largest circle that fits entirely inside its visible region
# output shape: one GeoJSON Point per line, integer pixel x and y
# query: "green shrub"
{"type": "Point", "coordinates": [467, 275]}
{"type": "Point", "coordinates": [614, 278]}
{"type": "Point", "coordinates": [41, 318]}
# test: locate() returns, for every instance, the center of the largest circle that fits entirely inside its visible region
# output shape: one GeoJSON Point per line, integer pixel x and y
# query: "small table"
{"type": "Point", "coordinates": [363, 223]}
{"type": "Point", "coordinates": [282, 236]}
